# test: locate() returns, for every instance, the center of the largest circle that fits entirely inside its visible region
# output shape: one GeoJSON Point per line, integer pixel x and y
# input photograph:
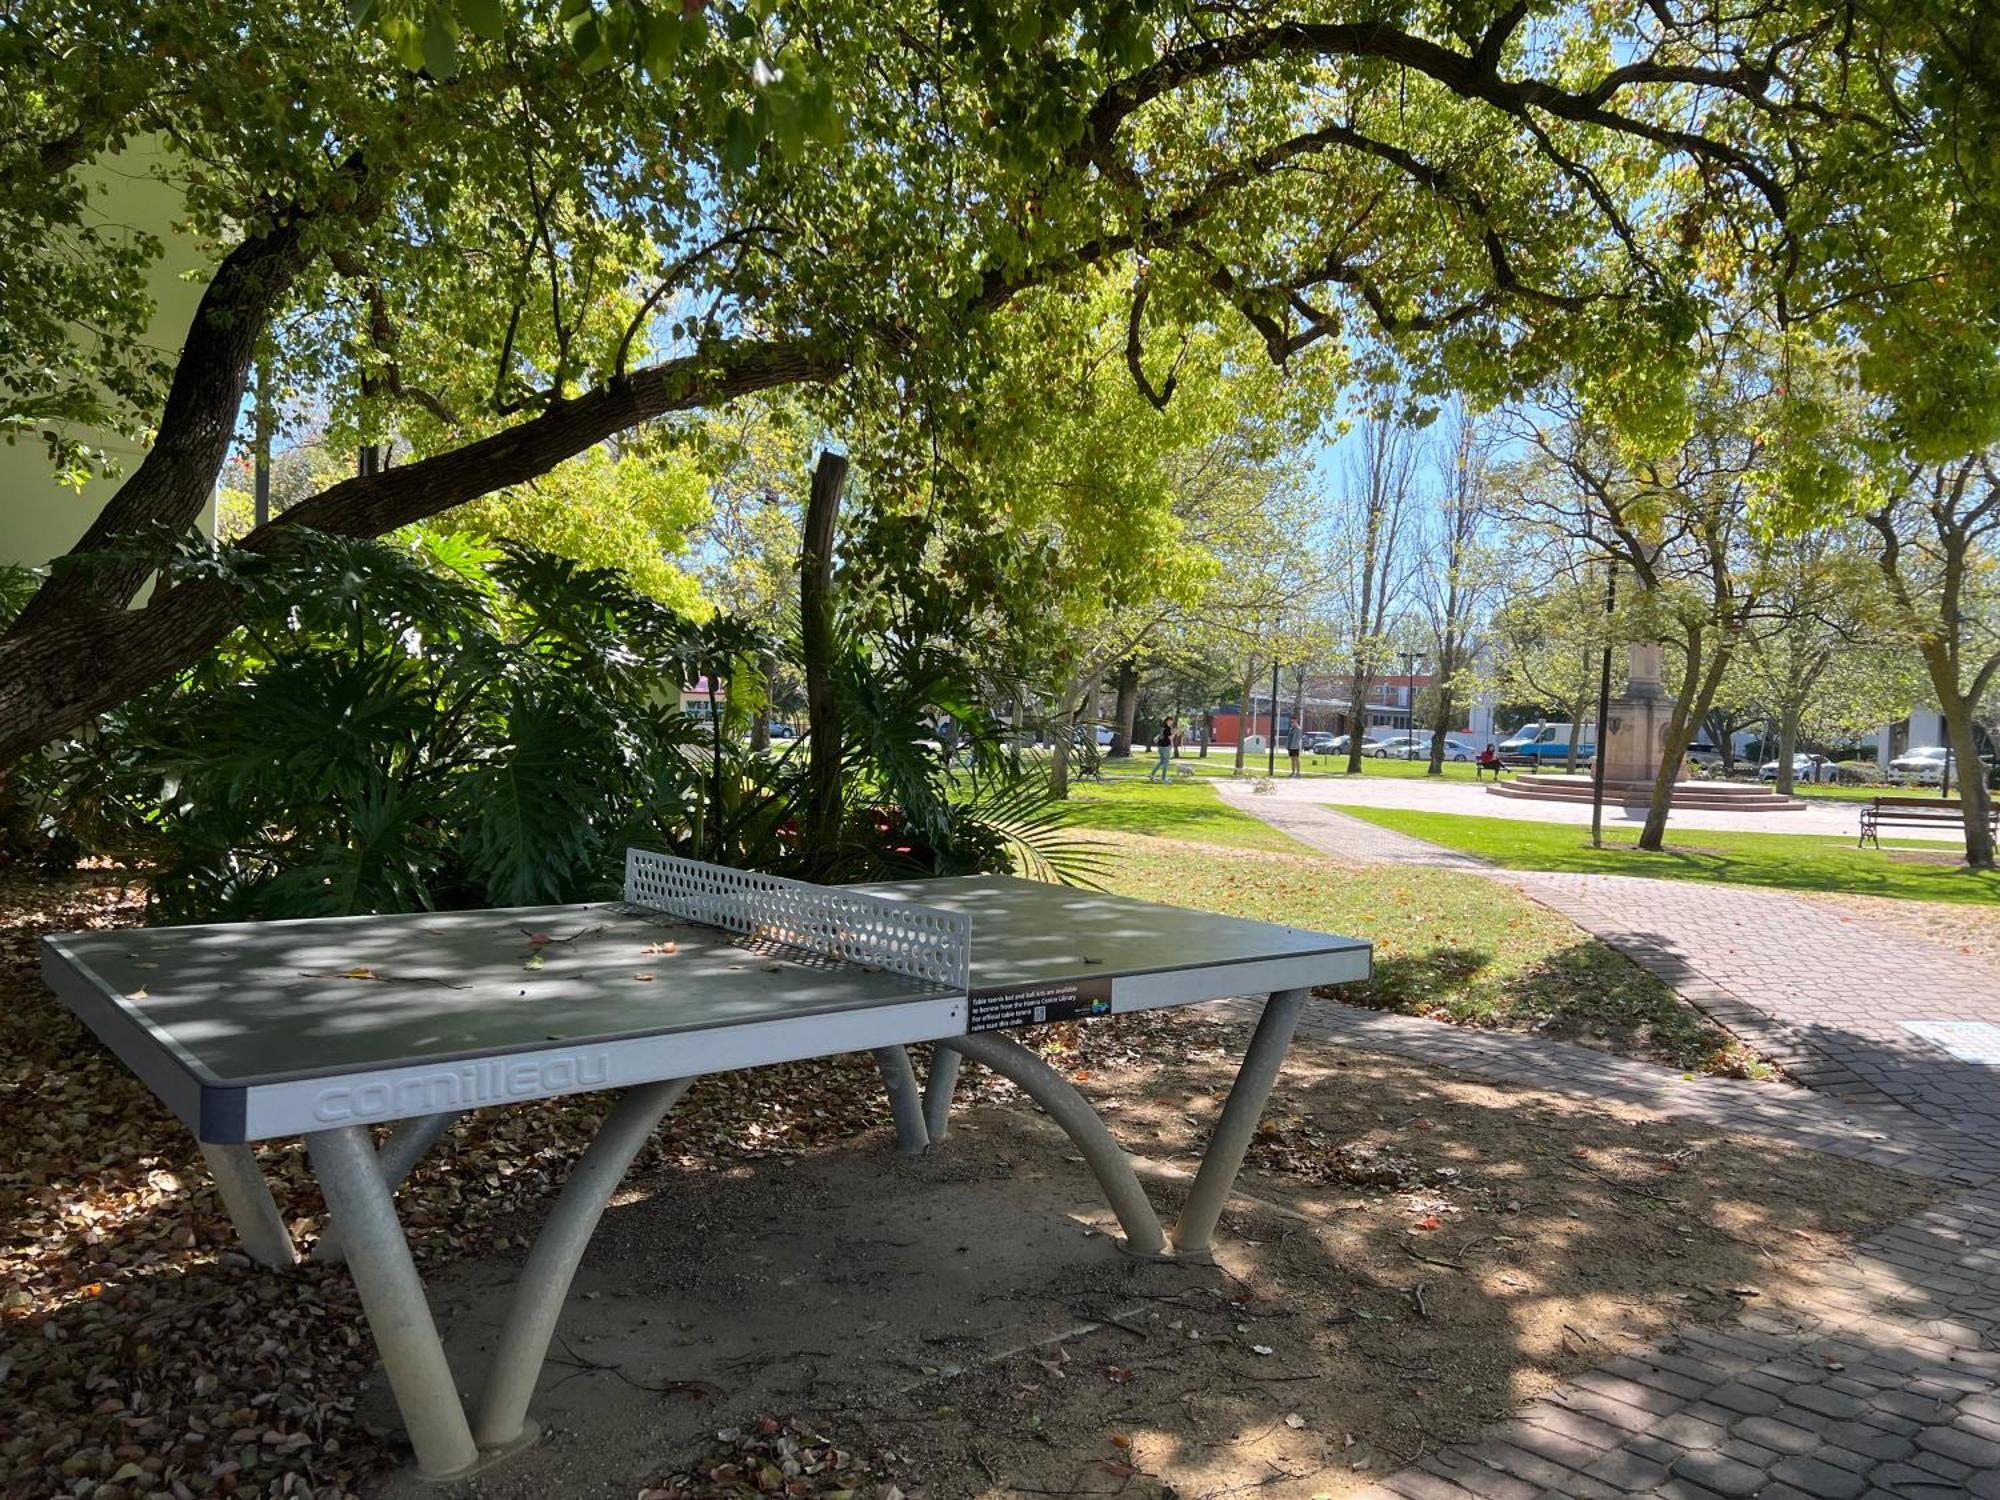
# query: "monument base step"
{"type": "Point", "coordinates": [1725, 796]}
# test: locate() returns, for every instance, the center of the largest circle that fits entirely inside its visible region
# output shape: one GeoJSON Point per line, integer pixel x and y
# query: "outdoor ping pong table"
{"type": "Point", "coordinates": [329, 1027]}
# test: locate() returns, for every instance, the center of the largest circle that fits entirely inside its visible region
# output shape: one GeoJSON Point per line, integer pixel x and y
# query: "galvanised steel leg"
{"type": "Point", "coordinates": [1194, 1233]}
{"type": "Point", "coordinates": [1080, 1123]}
{"type": "Point", "coordinates": [938, 1089]}
{"type": "Point", "coordinates": [905, 1103]}
{"type": "Point", "coordinates": [544, 1283]}
{"type": "Point", "coordinates": [393, 1298]}
{"type": "Point", "coordinates": [399, 1156]}
{"type": "Point", "coordinates": [247, 1197]}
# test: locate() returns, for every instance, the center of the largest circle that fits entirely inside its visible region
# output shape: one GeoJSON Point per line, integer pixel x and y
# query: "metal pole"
{"type": "Point", "coordinates": [1603, 710]}
{"type": "Point", "coordinates": [1063, 1104]}
{"type": "Point", "coordinates": [938, 1089]}
{"type": "Point", "coordinates": [392, 1296]}
{"type": "Point", "coordinates": [1194, 1233]}
{"type": "Point", "coordinates": [545, 1280]}
{"type": "Point", "coordinates": [906, 1102]}
{"type": "Point", "coordinates": [247, 1196]}
{"type": "Point", "coordinates": [398, 1157]}
{"type": "Point", "coordinates": [1271, 744]}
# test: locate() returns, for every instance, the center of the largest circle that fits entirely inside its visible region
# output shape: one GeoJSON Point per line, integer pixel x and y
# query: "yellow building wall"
{"type": "Point", "coordinates": [39, 518]}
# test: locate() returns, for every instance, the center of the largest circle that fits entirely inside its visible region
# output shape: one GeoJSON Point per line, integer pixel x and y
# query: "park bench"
{"type": "Point", "coordinates": [1915, 812]}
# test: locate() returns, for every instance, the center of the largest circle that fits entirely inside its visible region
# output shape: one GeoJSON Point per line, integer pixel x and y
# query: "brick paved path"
{"type": "Point", "coordinates": [1889, 1387]}
{"type": "Point", "coordinates": [1823, 993]}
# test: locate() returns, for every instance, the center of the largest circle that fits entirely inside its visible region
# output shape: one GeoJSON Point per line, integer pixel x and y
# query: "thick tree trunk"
{"type": "Point", "coordinates": [1207, 730]}
{"type": "Point", "coordinates": [1973, 793]}
{"type": "Point", "coordinates": [1698, 685]}
{"type": "Point", "coordinates": [1575, 738]}
{"type": "Point", "coordinates": [1357, 710]}
{"type": "Point", "coordinates": [816, 641]}
{"type": "Point", "coordinates": [1788, 738]}
{"type": "Point", "coordinates": [174, 480]}
{"type": "Point", "coordinates": [1439, 728]}
{"type": "Point", "coordinates": [1127, 686]}
{"type": "Point", "coordinates": [1243, 716]}
{"type": "Point", "coordinates": [77, 651]}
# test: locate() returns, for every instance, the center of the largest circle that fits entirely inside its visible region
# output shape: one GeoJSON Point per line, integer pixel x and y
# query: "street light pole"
{"type": "Point", "coordinates": [1271, 745]}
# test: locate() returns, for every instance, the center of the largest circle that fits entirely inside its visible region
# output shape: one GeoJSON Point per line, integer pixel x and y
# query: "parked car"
{"type": "Point", "coordinates": [1547, 741]}
{"type": "Point", "coordinates": [1325, 744]}
{"type": "Point", "coordinates": [1924, 765]}
{"type": "Point", "coordinates": [1804, 768]}
{"type": "Point", "coordinates": [783, 731]}
{"type": "Point", "coordinates": [1390, 747]}
{"type": "Point", "coordinates": [1705, 755]}
{"type": "Point", "coordinates": [1417, 746]}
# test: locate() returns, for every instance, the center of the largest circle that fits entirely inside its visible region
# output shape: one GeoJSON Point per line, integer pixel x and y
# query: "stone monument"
{"type": "Point", "coordinates": [1635, 738]}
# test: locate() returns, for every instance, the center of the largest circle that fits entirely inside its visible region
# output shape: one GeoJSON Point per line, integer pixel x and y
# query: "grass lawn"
{"type": "Point", "coordinates": [1179, 810]}
{"type": "Point", "coordinates": [1903, 869]}
{"type": "Point", "coordinates": [1448, 945]}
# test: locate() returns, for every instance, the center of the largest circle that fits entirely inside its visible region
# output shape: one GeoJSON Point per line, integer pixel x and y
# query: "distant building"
{"type": "Point", "coordinates": [1325, 710]}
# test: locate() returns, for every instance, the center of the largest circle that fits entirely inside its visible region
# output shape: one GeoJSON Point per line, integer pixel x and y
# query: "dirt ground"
{"type": "Point", "coordinates": [1416, 1253]}
{"type": "Point", "coordinates": [780, 1303]}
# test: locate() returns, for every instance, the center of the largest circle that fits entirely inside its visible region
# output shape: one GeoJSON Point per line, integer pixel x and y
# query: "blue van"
{"type": "Point", "coordinates": [1547, 743]}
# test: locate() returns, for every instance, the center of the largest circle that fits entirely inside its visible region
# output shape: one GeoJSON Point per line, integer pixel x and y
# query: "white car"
{"type": "Point", "coordinates": [1418, 747]}
{"type": "Point", "coordinates": [1924, 765]}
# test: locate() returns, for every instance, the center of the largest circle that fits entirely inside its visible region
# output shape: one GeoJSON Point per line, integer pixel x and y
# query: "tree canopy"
{"type": "Point", "coordinates": [505, 230]}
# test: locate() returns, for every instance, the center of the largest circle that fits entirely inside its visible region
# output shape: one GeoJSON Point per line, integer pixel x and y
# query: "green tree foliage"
{"type": "Point", "coordinates": [503, 232]}
{"type": "Point", "coordinates": [634, 511]}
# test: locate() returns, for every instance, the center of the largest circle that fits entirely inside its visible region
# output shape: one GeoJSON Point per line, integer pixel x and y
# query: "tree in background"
{"type": "Point", "coordinates": [1824, 657]}
{"type": "Point", "coordinates": [1673, 515]}
{"type": "Point", "coordinates": [1546, 644]}
{"type": "Point", "coordinates": [1937, 550]}
{"type": "Point", "coordinates": [1459, 572]}
{"type": "Point", "coordinates": [1372, 543]}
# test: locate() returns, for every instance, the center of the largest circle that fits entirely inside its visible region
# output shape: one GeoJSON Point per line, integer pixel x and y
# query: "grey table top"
{"type": "Point", "coordinates": [1030, 932]}
{"type": "Point", "coordinates": [251, 1002]}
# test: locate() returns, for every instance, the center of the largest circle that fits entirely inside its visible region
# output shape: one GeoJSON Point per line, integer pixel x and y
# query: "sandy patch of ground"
{"type": "Point", "coordinates": [1416, 1253]}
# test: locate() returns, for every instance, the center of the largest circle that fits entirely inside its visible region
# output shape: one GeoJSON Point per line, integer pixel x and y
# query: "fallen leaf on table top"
{"type": "Point", "coordinates": [359, 974]}
{"type": "Point", "coordinates": [535, 961]}
{"type": "Point", "coordinates": [138, 994]}
{"type": "Point", "coordinates": [661, 948]}
{"type": "Point", "coordinates": [643, 978]}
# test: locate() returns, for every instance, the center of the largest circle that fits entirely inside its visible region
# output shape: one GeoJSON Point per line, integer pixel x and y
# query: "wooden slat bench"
{"type": "Point", "coordinates": [1915, 812]}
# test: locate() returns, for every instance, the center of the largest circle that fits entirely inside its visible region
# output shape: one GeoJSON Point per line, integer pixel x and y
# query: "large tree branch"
{"type": "Point", "coordinates": [173, 481]}
{"type": "Point", "coordinates": [63, 667]}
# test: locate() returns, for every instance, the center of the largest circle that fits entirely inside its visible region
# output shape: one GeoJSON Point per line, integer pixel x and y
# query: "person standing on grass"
{"type": "Point", "coordinates": [1164, 743]}
{"type": "Point", "coordinates": [1294, 742]}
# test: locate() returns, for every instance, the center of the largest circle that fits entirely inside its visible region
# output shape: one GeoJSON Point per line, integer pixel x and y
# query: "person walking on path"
{"type": "Point", "coordinates": [1164, 743]}
{"type": "Point", "coordinates": [1294, 742]}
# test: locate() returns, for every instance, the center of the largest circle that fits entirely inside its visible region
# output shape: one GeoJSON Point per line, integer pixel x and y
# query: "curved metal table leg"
{"type": "Point", "coordinates": [247, 1197]}
{"type": "Point", "coordinates": [1194, 1232]}
{"type": "Point", "coordinates": [904, 1101]}
{"type": "Point", "coordinates": [399, 1156]}
{"type": "Point", "coordinates": [392, 1296]}
{"type": "Point", "coordinates": [1069, 1109]}
{"type": "Point", "coordinates": [545, 1280]}
{"type": "Point", "coordinates": [938, 1089]}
